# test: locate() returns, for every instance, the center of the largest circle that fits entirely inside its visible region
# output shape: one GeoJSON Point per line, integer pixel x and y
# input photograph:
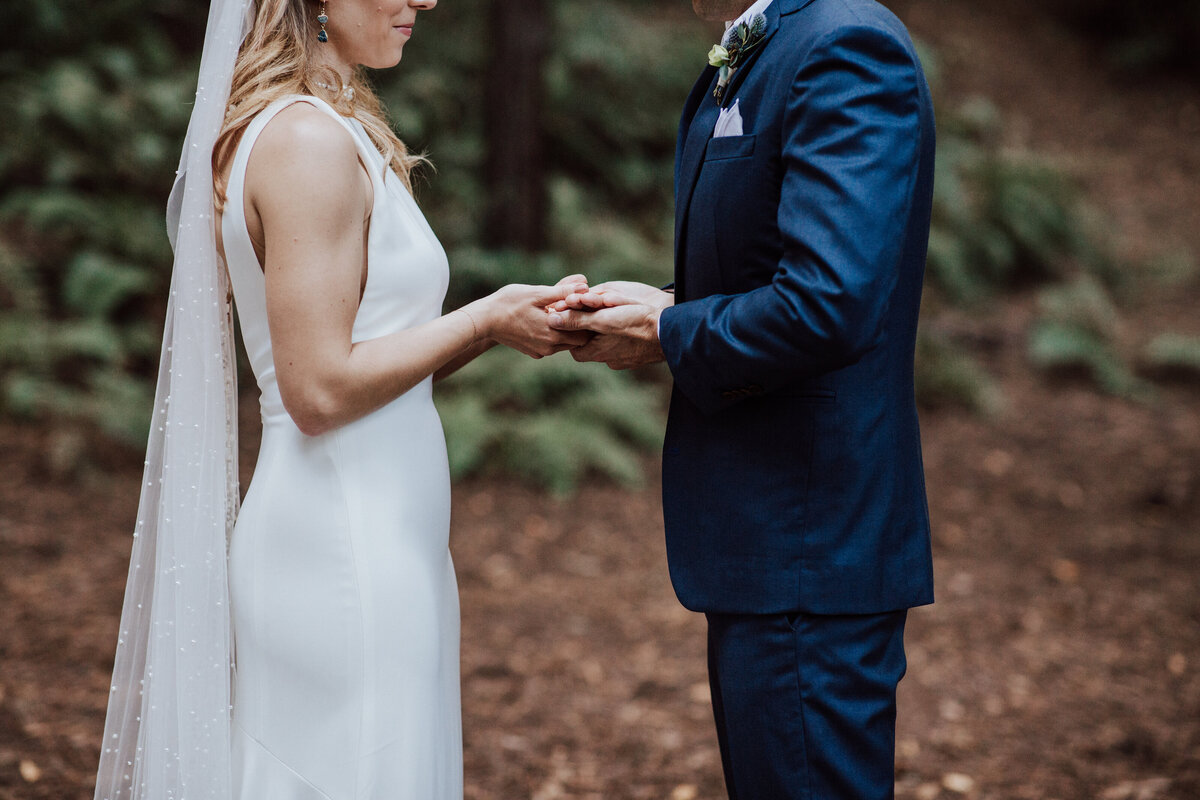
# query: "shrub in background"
{"type": "Point", "coordinates": [1007, 221]}
{"type": "Point", "coordinates": [551, 421]}
{"type": "Point", "coordinates": [94, 107]}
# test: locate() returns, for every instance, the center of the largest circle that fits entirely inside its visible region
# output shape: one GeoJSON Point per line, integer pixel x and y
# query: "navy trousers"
{"type": "Point", "coordinates": [805, 705]}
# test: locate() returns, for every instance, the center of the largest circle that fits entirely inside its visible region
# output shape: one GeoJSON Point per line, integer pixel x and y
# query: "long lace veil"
{"type": "Point", "coordinates": [167, 735]}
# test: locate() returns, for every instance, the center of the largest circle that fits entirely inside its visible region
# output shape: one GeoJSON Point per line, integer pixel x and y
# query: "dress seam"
{"type": "Point", "coordinates": [281, 762]}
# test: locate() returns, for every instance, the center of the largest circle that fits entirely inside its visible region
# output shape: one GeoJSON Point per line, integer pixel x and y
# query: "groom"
{"type": "Point", "coordinates": [793, 490]}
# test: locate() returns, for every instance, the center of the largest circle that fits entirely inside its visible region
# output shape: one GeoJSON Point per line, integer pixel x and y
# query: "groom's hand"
{"type": "Point", "coordinates": [626, 329]}
{"type": "Point", "coordinates": [572, 282]}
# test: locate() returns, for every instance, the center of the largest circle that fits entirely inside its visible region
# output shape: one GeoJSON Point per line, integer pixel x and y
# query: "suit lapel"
{"type": "Point", "coordinates": [772, 14]}
{"type": "Point", "coordinates": [696, 127]}
{"type": "Point", "coordinates": [693, 143]}
{"type": "Point", "coordinates": [702, 89]}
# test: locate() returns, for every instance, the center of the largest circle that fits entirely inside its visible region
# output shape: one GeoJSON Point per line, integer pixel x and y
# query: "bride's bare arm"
{"type": "Point", "coordinates": [307, 189]}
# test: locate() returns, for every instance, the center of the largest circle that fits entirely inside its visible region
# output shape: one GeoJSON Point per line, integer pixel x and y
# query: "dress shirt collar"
{"type": "Point", "coordinates": [758, 8]}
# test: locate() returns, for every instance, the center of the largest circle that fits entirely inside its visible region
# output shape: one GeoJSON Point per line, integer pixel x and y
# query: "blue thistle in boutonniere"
{"type": "Point", "coordinates": [739, 41]}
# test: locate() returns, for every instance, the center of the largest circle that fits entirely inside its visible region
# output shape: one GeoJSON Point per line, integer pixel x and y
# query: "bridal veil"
{"type": "Point", "coordinates": [167, 734]}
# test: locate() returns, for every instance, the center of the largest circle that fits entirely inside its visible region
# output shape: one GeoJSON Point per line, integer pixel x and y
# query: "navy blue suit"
{"type": "Point", "coordinates": [793, 488]}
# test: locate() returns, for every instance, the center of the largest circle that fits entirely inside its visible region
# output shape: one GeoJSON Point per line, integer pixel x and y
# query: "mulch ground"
{"type": "Point", "coordinates": [1062, 659]}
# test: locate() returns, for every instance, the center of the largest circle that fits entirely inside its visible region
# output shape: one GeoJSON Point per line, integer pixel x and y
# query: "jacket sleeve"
{"type": "Point", "coordinates": [850, 151]}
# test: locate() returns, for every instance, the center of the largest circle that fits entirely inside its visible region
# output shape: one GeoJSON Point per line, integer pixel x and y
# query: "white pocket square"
{"type": "Point", "coordinates": [729, 123]}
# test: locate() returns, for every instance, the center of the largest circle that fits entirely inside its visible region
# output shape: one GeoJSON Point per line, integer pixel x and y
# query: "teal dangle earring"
{"type": "Point", "coordinates": [322, 18]}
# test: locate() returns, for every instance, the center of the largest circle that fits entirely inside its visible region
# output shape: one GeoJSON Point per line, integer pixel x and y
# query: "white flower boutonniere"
{"type": "Point", "coordinates": [739, 41]}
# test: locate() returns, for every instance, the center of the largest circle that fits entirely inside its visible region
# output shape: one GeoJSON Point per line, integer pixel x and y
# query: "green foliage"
{"type": "Point", "coordinates": [1172, 354]}
{"type": "Point", "coordinates": [1003, 220]}
{"type": "Point", "coordinates": [1006, 221]}
{"type": "Point", "coordinates": [1077, 333]}
{"type": "Point", "coordinates": [551, 421]}
{"type": "Point", "coordinates": [947, 375]}
{"type": "Point", "coordinates": [94, 107]}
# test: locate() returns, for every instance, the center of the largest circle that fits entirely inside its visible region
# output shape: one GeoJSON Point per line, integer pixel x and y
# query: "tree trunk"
{"type": "Point", "coordinates": [515, 173]}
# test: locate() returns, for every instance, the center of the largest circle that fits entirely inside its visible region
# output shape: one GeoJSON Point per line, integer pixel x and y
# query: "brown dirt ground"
{"type": "Point", "coordinates": [1062, 659]}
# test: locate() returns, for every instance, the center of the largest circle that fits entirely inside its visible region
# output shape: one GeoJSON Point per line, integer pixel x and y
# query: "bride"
{"type": "Point", "coordinates": [334, 581]}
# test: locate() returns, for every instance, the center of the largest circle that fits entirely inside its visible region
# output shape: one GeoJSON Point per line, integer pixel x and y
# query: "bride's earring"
{"type": "Point", "coordinates": [322, 18]}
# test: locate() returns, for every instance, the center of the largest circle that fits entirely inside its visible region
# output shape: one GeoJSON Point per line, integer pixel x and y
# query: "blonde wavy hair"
{"type": "Point", "coordinates": [277, 59]}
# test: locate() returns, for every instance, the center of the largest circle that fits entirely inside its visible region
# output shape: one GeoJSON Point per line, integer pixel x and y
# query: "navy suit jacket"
{"type": "Point", "coordinates": [792, 475]}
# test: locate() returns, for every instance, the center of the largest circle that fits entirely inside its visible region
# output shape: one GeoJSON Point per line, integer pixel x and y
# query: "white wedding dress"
{"type": "Point", "coordinates": [344, 600]}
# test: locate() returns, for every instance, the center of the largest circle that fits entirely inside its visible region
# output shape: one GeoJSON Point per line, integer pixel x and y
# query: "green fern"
{"type": "Point", "coordinates": [1172, 354]}
{"type": "Point", "coordinates": [948, 375]}
{"type": "Point", "coordinates": [1002, 220]}
{"type": "Point", "coordinates": [1078, 332]}
{"type": "Point", "coordinates": [552, 421]}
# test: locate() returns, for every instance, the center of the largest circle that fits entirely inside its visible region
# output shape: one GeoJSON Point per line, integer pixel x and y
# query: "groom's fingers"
{"type": "Point", "coordinates": [590, 300]}
{"type": "Point", "coordinates": [584, 301]}
{"type": "Point", "coordinates": [610, 298]}
{"type": "Point", "coordinates": [569, 340]}
{"type": "Point", "coordinates": [594, 350]}
{"type": "Point", "coordinates": [610, 350]}
{"type": "Point", "coordinates": [544, 296]}
{"type": "Point", "coordinates": [572, 280]}
{"type": "Point", "coordinates": [571, 320]}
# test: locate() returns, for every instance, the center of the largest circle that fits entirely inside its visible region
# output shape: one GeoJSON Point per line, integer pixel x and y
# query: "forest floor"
{"type": "Point", "coordinates": [1062, 659]}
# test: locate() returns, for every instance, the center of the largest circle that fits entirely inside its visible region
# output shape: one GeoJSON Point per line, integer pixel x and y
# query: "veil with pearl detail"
{"type": "Point", "coordinates": [167, 732]}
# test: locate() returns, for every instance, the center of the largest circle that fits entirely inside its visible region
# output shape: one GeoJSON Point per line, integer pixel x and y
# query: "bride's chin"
{"type": "Point", "coordinates": [387, 61]}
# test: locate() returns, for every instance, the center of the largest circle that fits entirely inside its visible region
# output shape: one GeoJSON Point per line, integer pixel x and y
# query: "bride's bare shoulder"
{"type": "Point", "coordinates": [303, 149]}
{"type": "Point", "coordinates": [304, 139]}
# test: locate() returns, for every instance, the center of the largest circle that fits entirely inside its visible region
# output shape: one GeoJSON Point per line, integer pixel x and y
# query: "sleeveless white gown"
{"type": "Point", "coordinates": [344, 600]}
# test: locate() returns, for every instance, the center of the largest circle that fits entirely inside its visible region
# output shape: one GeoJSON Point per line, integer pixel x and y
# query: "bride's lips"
{"type": "Point", "coordinates": [405, 29]}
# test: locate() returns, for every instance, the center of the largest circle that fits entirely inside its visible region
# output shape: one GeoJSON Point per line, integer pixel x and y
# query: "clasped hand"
{"type": "Point", "coordinates": [615, 323]}
{"type": "Point", "coordinates": [620, 319]}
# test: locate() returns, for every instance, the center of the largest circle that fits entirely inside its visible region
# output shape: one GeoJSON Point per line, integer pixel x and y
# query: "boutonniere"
{"type": "Point", "coordinates": [738, 42]}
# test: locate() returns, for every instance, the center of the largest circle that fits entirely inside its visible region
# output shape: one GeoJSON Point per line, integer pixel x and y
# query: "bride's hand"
{"type": "Point", "coordinates": [515, 316]}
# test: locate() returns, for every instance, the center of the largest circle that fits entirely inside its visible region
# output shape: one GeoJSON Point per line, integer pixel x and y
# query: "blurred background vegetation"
{"type": "Point", "coordinates": [552, 127]}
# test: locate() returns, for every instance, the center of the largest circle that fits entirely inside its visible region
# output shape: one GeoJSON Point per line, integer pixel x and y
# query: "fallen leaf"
{"type": "Point", "coordinates": [958, 783]}
{"type": "Point", "coordinates": [951, 710]}
{"type": "Point", "coordinates": [1065, 570]}
{"type": "Point", "coordinates": [684, 791]}
{"type": "Point", "coordinates": [1137, 790]}
{"type": "Point", "coordinates": [30, 771]}
{"type": "Point", "coordinates": [928, 791]}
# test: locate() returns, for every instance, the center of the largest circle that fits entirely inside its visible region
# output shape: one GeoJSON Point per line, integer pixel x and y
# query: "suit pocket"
{"type": "Point", "coordinates": [725, 147]}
